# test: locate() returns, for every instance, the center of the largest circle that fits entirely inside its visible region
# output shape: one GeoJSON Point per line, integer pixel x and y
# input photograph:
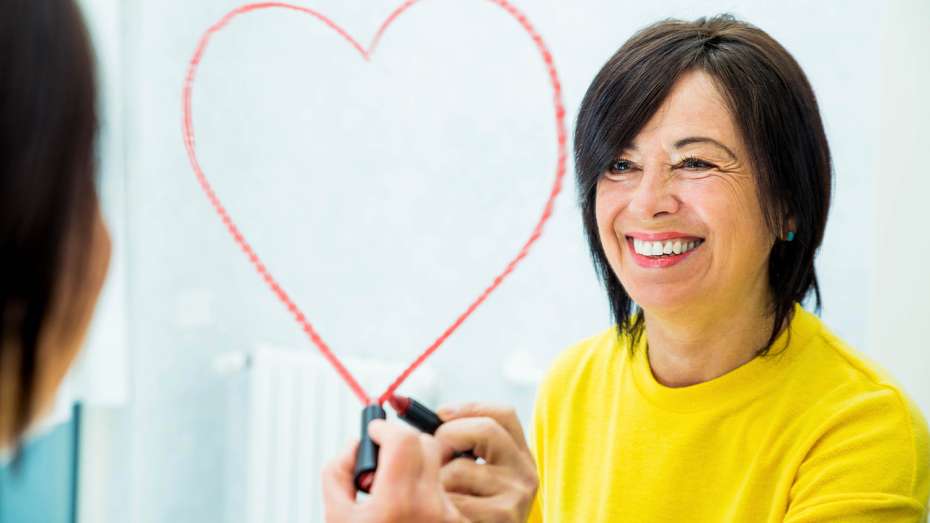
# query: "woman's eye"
{"type": "Point", "coordinates": [620, 167]}
{"type": "Point", "coordinates": [694, 163]}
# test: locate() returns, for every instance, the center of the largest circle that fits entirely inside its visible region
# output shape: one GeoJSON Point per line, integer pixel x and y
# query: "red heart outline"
{"type": "Point", "coordinates": [366, 53]}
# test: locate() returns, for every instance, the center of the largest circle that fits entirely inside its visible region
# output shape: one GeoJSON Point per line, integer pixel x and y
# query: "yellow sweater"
{"type": "Point", "coordinates": [815, 434]}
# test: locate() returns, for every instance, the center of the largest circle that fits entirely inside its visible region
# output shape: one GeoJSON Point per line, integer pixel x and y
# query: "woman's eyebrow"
{"type": "Point", "coordinates": [703, 139]}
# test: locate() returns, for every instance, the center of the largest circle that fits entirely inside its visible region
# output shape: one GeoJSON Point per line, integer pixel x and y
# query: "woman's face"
{"type": "Point", "coordinates": [678, 214]}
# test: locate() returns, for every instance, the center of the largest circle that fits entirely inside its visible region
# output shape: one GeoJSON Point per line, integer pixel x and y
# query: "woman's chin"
{"type": "Point", "coordinates": [661, 298]}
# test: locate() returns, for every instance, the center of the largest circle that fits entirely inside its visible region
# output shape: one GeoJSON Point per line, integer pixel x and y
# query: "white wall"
{"type": "Point", "coordinates": [899, 321]}
{"type": "Point", "coordinates": [385, 196]}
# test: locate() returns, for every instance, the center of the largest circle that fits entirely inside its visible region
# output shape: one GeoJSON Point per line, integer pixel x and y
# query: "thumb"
{"type": "Point", "coordinates": [338, 486]}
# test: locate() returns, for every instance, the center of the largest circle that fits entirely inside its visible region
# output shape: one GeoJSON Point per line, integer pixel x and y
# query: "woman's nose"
{"type": "Point", "coordinates": [654, 196]}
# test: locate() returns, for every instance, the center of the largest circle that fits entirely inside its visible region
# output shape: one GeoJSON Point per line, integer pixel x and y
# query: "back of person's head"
{"type": "Point", "coordinates": [49, 219]}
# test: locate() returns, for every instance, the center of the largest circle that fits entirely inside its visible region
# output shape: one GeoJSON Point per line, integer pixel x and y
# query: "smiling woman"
{"type": "Point", "coordinates": [705, 179]}
{"type": "Point", "coordinates": [728, 84]}
{"type": "Point", "coordinates": [671, 185]}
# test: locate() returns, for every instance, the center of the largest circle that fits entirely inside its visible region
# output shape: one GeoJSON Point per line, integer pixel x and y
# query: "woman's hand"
{"type": "Point", "coordinates": [406, 486]}
{"type": "Point", "coordinates": [503, 488]}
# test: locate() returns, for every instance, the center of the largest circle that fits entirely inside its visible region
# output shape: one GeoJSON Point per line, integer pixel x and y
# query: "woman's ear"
{"type": "Point", "coordinates": [791, 229]}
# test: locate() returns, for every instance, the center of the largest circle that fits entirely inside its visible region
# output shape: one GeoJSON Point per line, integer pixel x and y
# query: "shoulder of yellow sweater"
{"type": "Point", "coordinates": [856, 391]}
{"type": "Point", "coordinates": [577, 358]}
{"type": "Point", "coordinates": [851, 370]}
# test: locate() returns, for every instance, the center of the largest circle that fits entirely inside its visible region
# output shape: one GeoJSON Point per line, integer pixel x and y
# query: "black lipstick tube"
{"type": "Point", "coordinates": [422, 418]}
{"type": "Point", "coordinates": [366, 457]}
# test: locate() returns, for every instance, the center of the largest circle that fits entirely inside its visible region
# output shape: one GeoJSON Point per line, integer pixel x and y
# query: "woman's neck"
{"type": "Point", "coordinates": [686, 348]}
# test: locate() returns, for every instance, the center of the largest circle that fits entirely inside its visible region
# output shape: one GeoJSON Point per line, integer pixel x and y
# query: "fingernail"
{"type": "Point", "coordinates": [445, 411]}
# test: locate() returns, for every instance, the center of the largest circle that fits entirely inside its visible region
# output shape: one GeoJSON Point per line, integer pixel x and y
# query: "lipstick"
{"type": "Point", "coordinates": [416, 414]}
{"type": "Point", "coordinates": [366, 457]}
{"type": "Point", "coordinates": [409, 410]}
{"type": "Point", "coordinates": [422, 418]}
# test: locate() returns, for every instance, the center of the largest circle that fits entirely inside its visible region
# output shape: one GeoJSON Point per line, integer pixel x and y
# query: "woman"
{"type": "Point", "coordinates": [705, 179]}
{"type": "Point", "coordinates": [54, 246]}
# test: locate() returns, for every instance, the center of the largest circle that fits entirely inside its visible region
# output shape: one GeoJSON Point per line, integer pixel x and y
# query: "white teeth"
{"type": "Point", "coordinates": [647, 248]}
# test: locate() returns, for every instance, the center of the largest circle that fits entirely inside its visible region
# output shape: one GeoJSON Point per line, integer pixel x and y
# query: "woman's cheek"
{"type": "Point", "coordinates": [606, 210]}
{"type": "Point", "coordinates": [714, 203]}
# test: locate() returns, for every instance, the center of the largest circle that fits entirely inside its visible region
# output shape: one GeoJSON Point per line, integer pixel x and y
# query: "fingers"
{"type": "Point", "coordinates": [486, 510]}
{"type": "Point", "coordinates": [505, 416]}
{"type": "Point", "coordinates": [412, 485]}
{"type": "Point", "coordinates": [464, 476]}
{"type": "Point", "coordinates": [338, 486]}
{"type": "Point", "coordinates": [406, 485]}
{"type": "Point", "coordinates": [484, 436]}
{"type": "Point", "coordinates": [472, 509]}
{"type": "Point", "coordinates": [501, 490]}
{"type": "Point", "coordinates": [402, 461]}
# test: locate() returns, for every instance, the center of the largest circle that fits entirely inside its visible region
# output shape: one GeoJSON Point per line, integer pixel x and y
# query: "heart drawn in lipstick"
{"type": "Point", "coordinates": [366, 53]}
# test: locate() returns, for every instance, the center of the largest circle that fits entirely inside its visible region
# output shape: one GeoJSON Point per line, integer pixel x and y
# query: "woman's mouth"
{"type": "Point", "coordinates": [662, 253]}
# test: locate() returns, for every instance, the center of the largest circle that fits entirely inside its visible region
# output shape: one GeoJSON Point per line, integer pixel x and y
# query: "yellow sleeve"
{"type": "Point", "coordinates": [868, 462]}
{"type": "Point", "coordinates": [536, 446]}
{"type": "Point", "coordinates": [549, 396]}
{"type": "Point", "coordinates": [535, 513]}
{"type": "Point", "coordinates": [538, 435]}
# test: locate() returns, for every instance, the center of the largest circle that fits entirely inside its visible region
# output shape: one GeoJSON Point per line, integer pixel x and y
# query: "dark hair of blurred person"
{"type": "Point", "coordinates": [54, 247]}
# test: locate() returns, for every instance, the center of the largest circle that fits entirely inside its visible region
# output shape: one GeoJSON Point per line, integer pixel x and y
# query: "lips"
{"type": "Point", "coordinates": [661, 250]}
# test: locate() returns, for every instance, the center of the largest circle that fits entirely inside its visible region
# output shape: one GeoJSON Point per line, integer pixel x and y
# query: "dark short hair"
{"type": "Point", "coordinates": [48, 195]}
{"type": "Point", "coordinates": [775, 111]}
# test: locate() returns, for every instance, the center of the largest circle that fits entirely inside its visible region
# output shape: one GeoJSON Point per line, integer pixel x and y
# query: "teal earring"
{"type": "Point", "coordinates": [790, 236]}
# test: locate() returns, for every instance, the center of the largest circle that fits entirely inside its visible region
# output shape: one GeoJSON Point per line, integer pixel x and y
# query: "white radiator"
{"type": "Point", "coordinates": [289, 413]}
